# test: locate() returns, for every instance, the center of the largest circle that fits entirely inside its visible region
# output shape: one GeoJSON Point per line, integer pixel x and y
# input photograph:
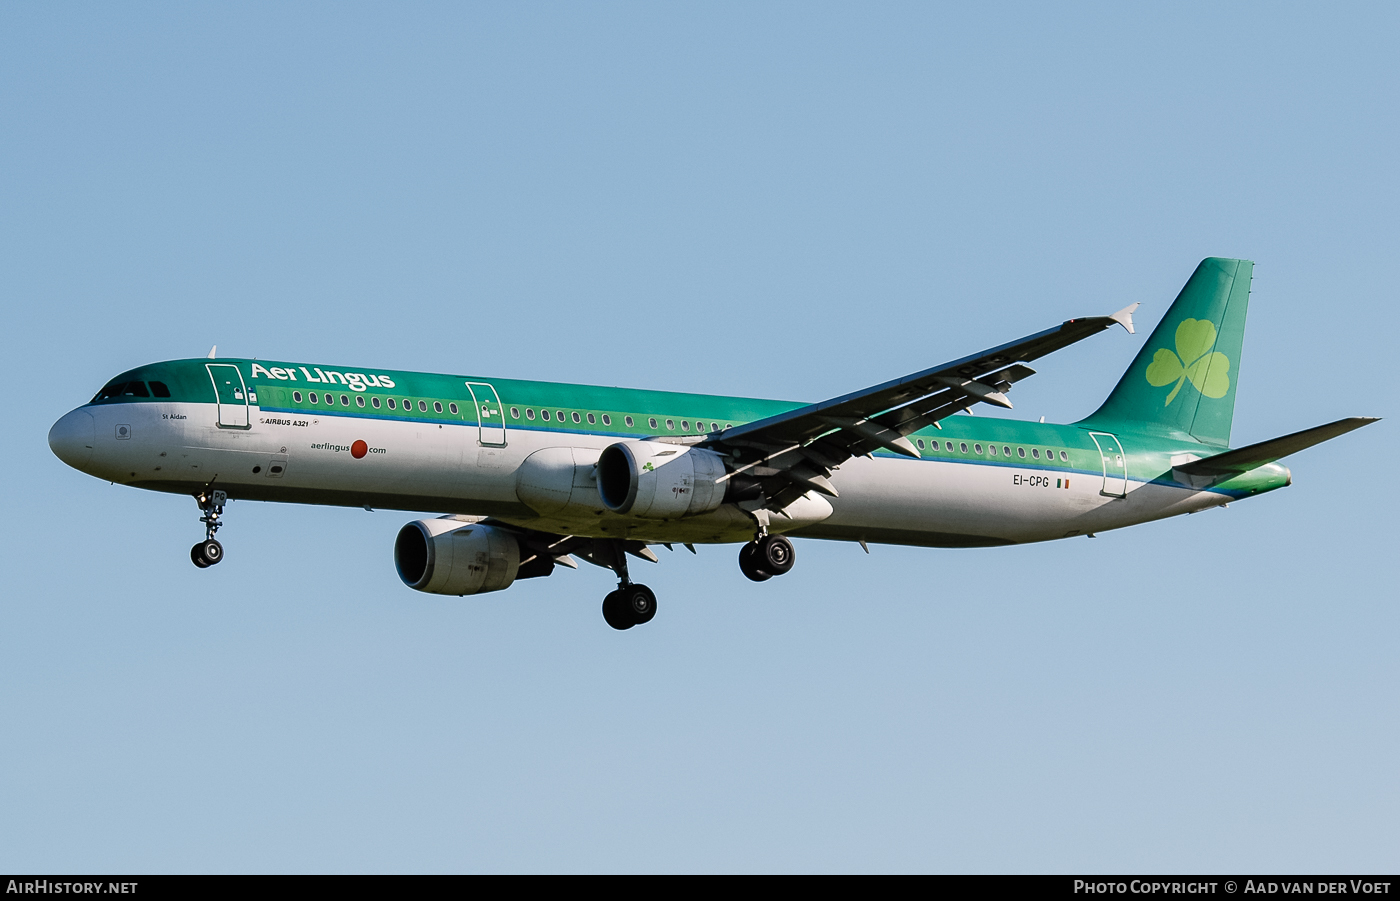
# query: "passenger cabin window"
{"type": "Point", "coordinates": [296, 397]}
{"type": "Point", "coordinates": [437, 406]}
{"type": "Point", "coordinates": [576, 416]}
{"type": "Point", "coordinates": [607, 420]}
{"type": "Point", "coordinates": [452, 408]}
{"type": "Point", "coordinates": [529, 414]}
{"type": "Point", "coordinates": [422, 406]}
{"type": "Point", "coordinates": [360, 399]}
{"type": "Point", "coordinates": [628, 420]}
{"type": "Point", "coordinates": [391, 403]}
{"type": "Point", "coordinates": [1064, 457]}
{"type": "Point", "coordinates": [652, 422]}
{"type": "Point", "coordinates": [375, 401]}
{"type": "Point", "coordinates": [591, 420]}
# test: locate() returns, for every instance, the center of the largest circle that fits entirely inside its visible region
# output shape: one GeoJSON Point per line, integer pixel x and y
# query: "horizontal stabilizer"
{"type": "Point", "coordinates": [1255, 455]}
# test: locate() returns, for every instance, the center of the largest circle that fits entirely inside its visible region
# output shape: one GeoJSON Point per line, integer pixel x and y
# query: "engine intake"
{"type": "Point", "coordinates": [655, 480]}
{"type": "Point", "coordinates": [448, 556]}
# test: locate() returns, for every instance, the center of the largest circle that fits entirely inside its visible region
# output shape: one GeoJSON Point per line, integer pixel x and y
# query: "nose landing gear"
{"type": "Point", "coordinates": [766, 557]}
{"type": "Point", "coordinates": [208, 552]}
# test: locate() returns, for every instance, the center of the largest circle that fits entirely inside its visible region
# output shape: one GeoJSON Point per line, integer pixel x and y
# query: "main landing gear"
{"type": "Point", "coordinates": [766, 557]}
{"type": "Point", "coordinates": [208, 552]}
{"type": "Point", "coordinates": [630, 604]}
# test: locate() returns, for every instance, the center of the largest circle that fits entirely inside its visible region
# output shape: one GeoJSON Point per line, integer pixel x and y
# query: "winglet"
{"type": "Point", "coordinates": [1124, 317]}
{"type": "Point", "coordinates": [212, 351]}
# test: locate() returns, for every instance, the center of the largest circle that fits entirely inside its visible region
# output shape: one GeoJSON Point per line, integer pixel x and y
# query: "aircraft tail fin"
{"type": "Point", "coordinates": [1183, 380]}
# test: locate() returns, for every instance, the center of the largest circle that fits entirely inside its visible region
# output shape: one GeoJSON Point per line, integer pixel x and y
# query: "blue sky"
{"type": "Point", "coordinates": [785, 200]}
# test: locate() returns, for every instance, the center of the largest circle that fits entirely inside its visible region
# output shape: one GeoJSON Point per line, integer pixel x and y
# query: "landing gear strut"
{"type": "Point", "coordinates": [766, 557]}
{"type": "Point", "coordinates": [630, 604]}
{"type": "Point", "coordinates": [208, 552]}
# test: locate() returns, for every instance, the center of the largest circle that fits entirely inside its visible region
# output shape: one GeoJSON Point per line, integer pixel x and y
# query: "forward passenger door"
{"type": "Point", "coordinates": [230, 394]}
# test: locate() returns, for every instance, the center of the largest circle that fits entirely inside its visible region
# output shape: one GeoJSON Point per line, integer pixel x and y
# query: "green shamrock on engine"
{"type": "Point", "coordinates": [1209, 372]}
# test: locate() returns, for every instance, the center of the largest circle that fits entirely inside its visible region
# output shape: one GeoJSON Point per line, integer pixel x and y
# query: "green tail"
{"type": "Point", "coordinates": [1183, 380]}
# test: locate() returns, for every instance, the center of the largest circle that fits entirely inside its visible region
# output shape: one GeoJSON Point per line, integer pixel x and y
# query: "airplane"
{"type": "Point", "coordinates": [528, 476]}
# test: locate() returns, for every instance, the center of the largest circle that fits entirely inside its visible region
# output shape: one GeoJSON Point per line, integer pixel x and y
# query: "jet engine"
{"type": "Point", "coordinates": [448, 556]}
{"type": "Point", "coordinates": [655, 480]}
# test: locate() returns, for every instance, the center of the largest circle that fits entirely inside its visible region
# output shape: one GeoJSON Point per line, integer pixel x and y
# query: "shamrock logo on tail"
{"type": "Point", "coordinates": [1209, 372]}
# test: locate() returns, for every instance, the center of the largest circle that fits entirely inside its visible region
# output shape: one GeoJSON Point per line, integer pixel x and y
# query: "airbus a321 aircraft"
{"type": "Point", "coordinates": [531, 475]}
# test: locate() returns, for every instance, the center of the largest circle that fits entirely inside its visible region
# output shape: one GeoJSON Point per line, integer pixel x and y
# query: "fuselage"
{"type": "Point", "coordinates": [456, 444]}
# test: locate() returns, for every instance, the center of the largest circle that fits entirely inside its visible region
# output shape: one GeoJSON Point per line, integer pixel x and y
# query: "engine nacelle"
{"type": "Point", "coordinates": [655, 480]}
{"type": "Point", "coordinates": [555, 480]}
{"type": "Point", "coordinates": [448, 556]}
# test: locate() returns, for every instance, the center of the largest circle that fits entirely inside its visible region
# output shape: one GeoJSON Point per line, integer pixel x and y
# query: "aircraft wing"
{"type": "Point", "coordinates": [794, 452]}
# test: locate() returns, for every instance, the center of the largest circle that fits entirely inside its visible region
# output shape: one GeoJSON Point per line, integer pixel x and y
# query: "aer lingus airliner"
{"type": "Point", "coordinates": [530, 475]}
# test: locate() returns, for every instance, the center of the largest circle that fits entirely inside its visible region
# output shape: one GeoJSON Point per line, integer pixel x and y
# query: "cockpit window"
{"type": "Point", "coordinates": [159, 389]}
{"type": "Point", "coordinates": [113, 390]}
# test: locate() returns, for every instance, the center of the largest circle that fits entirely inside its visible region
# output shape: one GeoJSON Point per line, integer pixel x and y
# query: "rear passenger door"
{"type": "Point", "coordinates": [1115, 464]}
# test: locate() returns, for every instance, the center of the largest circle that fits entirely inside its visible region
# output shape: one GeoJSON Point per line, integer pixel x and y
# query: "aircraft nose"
{"type": "Point", "coordinates": [72, 438]}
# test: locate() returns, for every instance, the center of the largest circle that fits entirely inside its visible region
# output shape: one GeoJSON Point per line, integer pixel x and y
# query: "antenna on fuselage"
{"type": "Point", "coordinates": [212, 350]}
